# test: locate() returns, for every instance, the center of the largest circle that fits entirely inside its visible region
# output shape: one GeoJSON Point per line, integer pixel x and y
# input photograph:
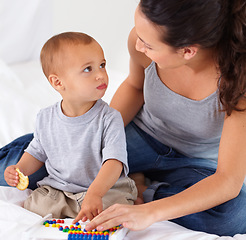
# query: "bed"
{"type": "Point", "coordinates": [24, 90]}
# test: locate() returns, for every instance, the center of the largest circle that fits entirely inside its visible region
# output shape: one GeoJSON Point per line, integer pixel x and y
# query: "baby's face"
{"type": "Point", "coordinates": [84, 74]}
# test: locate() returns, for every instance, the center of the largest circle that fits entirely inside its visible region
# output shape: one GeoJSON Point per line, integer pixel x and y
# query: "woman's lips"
{"type": "Point", "coordinates": [102, 86]}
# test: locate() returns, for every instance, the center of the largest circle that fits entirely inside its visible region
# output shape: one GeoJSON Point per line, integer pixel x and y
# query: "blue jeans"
{"type": "Point", "coordinates": [11, 154]}
{"type": "Point", "coordinates": [176, 172]}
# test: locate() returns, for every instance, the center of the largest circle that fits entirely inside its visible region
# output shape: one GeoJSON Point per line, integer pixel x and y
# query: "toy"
{"type": "Point", "coordinates": [63, 229]}
{"type": "Point", "coordinates": [76, 231]}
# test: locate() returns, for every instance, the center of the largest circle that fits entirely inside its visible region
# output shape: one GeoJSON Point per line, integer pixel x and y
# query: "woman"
{"type": "Point", "coordinates": [183, 106]}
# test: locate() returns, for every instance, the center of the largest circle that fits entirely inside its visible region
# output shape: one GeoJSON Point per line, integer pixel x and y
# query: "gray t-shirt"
{"type": "Point", "coordinates": [191, 127]}
{"type": "Point", "coordinates": [74, 148]}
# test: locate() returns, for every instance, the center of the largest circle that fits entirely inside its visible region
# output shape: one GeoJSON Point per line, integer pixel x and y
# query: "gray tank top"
{"type": "Point", "coordinates": [191, 127]}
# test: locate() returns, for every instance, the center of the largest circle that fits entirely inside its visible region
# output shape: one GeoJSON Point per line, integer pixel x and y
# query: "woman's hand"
{"type": "Point", "coordinates": [133, 217]}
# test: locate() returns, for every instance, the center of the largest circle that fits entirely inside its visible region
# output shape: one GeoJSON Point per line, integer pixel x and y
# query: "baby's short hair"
{"type": "Point", "coordinates": [53, 46]}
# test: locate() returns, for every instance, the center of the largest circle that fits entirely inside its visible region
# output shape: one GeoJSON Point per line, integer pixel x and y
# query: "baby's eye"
{"type": "Point", "coordinates": [88, 69]}
{"type": "Point", "coordinates": [103, 65]}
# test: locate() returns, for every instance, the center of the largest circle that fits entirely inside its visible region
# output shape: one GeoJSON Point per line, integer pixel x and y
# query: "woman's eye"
{"type": "Point", "coordinates": [147, 47]}
{"type": "Point", "coordinates": [88, 69]}
{"type": "Point", "coordinates": [103, 65]}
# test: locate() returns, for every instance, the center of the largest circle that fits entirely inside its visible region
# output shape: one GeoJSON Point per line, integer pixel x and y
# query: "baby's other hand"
{"type": "Point", "coordinates": [11, 176]}
{"type": "Point", "coordinates": [90, 208]}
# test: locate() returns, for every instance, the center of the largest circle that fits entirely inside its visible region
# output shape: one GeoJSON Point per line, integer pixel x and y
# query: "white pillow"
{"type": "Point", "coordinates": [24, 90]}
{"type": "Point", "coordinates": [7, 74]}
{"type": "Point", "coordinates": [25, 26]}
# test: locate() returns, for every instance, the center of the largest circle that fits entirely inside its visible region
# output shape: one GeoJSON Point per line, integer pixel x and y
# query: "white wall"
{"type": "Point", "coordinates": [25, 25]}
{"type": "Point", "coordinates": [108, 21]}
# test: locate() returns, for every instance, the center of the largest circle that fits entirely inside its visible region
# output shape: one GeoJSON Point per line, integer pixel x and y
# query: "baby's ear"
{"type": "Point", "coordinates": [55, 82]}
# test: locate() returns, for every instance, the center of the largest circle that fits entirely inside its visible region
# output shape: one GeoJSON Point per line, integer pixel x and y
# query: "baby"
{"type": "Point", "coordinates": [81, 140]}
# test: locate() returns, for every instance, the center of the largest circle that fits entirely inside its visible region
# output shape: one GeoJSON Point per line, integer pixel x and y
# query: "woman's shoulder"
{"type": "Point", "coordinates": [136, 56]}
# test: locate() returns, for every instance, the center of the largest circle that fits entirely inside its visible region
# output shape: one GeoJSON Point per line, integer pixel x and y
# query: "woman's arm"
{"type": "Point", "coordinates": [224, 185]}
{"type": "Point", "coordinates": [220, 187]}
{"type": "Point", "coordinates": [128, 99]}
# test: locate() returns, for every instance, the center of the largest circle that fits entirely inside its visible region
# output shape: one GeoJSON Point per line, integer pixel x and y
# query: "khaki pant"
{"type": "Point", "coordinates": [45, 199]}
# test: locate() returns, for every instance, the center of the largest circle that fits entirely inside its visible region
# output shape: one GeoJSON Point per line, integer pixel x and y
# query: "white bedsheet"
{"type": "Point", "coordinates": [24, 90]}
{"type": "Point", "coordinates": [14, 220]}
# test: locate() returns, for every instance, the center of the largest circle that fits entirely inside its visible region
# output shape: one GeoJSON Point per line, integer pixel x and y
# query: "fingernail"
{"type": "Point", "coordinates": [100, 228]}
{"type": "Point", "coordinates": [88, 228]}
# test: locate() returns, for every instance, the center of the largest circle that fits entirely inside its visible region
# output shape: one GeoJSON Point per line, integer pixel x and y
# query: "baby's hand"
{"type": "Point", "coordinates": [11, 176]}
{"type": "Point", "coordinates": [90, 208]}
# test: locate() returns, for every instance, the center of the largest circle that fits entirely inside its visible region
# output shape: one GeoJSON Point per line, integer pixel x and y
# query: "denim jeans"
{"type": "Point", "coordinates": [11, 154]}
{"type": "Point", "coordinates": [176, 172]}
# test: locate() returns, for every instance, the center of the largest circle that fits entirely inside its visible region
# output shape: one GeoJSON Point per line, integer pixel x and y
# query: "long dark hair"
{"type": "Point", "coordinates": [218, 24]}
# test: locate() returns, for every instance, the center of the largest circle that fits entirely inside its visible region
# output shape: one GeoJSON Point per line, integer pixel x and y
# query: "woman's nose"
{"type": "Point", "coordinates": [140, 46]}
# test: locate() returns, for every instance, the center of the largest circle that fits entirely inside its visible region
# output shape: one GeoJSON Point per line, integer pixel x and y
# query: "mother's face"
{"type": "Point", "coordinates": [149, 42]}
